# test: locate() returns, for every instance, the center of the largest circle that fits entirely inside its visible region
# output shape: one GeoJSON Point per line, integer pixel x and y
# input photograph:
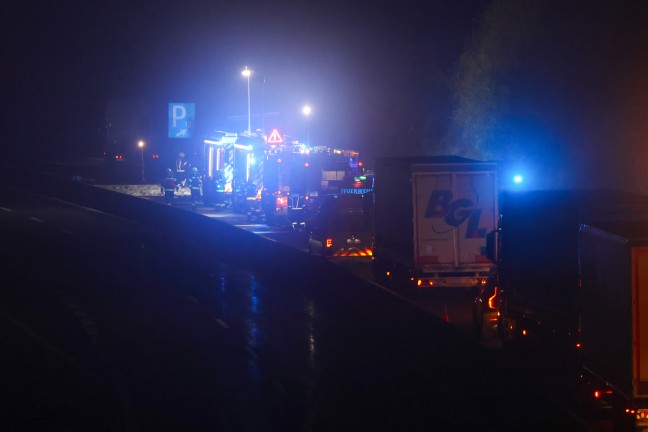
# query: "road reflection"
{"type": "Point", "coordinates": [312, 347]}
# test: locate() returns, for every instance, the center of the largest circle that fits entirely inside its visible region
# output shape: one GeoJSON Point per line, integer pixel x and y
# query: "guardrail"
{"type": "Point", "coordinates": [211, 236]}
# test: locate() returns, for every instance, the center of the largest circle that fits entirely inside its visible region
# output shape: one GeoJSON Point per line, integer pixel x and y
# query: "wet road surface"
{"type": "Point", "coordinates": [116, 324]}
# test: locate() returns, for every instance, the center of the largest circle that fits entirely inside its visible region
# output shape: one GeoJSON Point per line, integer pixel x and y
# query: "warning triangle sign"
{"type": "Point", "coordinates": [275, 137]}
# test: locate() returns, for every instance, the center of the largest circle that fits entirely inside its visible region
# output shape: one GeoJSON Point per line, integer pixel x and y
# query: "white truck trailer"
{"type": "Point", "coordinates": [432, 215]}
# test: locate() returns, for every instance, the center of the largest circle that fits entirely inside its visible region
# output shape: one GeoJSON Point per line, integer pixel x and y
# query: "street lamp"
{"type": "Point", "coordinates": [247, 73]}
{"type": "Point", "coordinates": [140, 144]}
{"type": "Point", "coordinates": [307, 111]}
{"type": "Point", "coordinates": [263, 84]}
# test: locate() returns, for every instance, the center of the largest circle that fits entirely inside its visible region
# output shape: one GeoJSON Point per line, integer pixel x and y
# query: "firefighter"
{"type": "Point", "coordinates": [181, 169]}
{"type": "Point", "coordinates": [168, 186]}
{"type": "Point", "coordinates": [220, 188]}
{"type": "Point", "coordinates": [195, 183]}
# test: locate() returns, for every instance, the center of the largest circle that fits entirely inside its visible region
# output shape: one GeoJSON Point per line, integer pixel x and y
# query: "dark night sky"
{"type": "Point", "coordinates": [350, 60]}
{"type": "Point", "coordinates": [376, 73]}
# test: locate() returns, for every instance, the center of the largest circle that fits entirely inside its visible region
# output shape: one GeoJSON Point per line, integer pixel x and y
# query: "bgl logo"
{"type": "Point", "coordinates": [454, 213]}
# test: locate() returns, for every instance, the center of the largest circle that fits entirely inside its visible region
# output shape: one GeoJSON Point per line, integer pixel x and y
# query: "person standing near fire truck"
{"type": "Point", "coordinates": [181, 169]}
{"type": "Point", "coordinates": [195, 183]}
{"type": "Point", "coordinates": [168, 186]}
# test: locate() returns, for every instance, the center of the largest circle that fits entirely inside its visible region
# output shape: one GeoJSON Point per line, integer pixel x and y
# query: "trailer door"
{"type": "Point", "coordinates": [453, 212]}
{"type": "Point", "coordinates": [640, 312]}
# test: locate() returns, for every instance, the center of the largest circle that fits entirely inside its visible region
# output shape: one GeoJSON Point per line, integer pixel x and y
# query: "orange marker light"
{"type": "Point", "coordinates": [491, 299]}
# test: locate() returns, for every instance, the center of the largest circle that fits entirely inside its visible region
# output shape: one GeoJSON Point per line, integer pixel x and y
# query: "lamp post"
{"type": "Point", "coordinates": [247, 73]}
{"type": "Point", "coordinates": [307, 111]}
{"type": "Point", "coordinates": [140, 144]}
{"type": "Point", "coordinates": [263, 107]}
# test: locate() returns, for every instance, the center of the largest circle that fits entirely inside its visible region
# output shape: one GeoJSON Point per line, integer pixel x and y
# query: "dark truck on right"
{"type": "Point", "coordinates": [613, 309]}
{"type": "Point", "coordinates": [571, 281]}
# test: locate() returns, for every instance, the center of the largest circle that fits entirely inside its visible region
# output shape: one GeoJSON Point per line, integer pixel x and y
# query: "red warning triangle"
{"type": "Point", "coordinates": [275, 137]}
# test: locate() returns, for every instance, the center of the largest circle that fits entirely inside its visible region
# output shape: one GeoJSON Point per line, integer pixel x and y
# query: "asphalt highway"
{"type": "Point", "coordinates": [114, 323]}
{"type": "Point", "coordinates": [452, 305]}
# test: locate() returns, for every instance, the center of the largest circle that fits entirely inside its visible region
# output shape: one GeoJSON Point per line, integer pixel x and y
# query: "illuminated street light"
{"type": "Point", "coordinates": [307, 111]}
{"type": "Point", "coordinates": [263, 84]}
{"type": "Point", "coordinates": [140, 144]}
{"type": "Point", "coordinates": [247, 73]}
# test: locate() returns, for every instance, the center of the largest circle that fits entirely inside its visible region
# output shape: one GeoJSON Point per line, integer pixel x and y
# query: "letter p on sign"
{"type": "Point", "coordinates": [181, 119]}
{"type": "Point", "coordinates": [179, 113]}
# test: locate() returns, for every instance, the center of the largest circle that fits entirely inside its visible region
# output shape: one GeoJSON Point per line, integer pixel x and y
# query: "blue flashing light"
{"type": "Point", "coordinates": [518, 179]}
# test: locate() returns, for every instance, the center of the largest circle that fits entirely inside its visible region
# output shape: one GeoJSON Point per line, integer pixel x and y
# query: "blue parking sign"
{"type": "Point", "coordinates": [181, 119]}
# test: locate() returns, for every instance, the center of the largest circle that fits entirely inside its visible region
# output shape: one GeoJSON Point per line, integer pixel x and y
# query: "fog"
{"type": "Point", "coordinates": [558, 91]}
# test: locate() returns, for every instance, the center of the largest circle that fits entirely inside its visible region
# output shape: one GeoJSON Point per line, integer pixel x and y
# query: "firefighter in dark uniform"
{"type": "Point", "coordinates": [195, 183]}
{"type": "Point", "coordinates": [181, 169]}
{"type": "Point", "coordinates": [168, 186]}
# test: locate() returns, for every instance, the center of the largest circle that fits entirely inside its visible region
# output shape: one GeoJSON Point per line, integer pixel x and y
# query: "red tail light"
{"type": "Point", "coordinates": [282, 201]}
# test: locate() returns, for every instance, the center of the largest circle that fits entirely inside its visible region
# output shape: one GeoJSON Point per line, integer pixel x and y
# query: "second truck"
{"type": "Point", "coordinates": [432, 215]}
{"type": "Point", "coordinates": [569, 295]}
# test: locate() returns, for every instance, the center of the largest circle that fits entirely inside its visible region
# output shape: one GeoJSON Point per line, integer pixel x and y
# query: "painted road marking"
{"type": "Point", "coordinates": [36, 336]}
{"type": "Point", "coordinates": [252, 353]}
{"type": "Point", "coordinates": [35, 219]}
{"type": "Point", "coordinates": [113, 373]}
{"type": "Point", "coordinates": [70, 233]}
{"type": "Point", "coordinates": [221, 323]}
{"type": "Point", "coordinates": [266, 232]}
{"type": "Point", "coordinates": [6, 209]}
{"type": "Point", "coordinates": [214, 215]}
{"type": "Point", "coordinates": [193, 299]}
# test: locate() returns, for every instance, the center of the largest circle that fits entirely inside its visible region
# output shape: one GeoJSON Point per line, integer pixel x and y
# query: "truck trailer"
{"type": "Point", "coordinates": [432, 215]}
{"type": "Point", "coordinates": [565, 293]}
{"type": "Point", "coordinates": [536, 280]}
{"type": "Point", "coordinates": [613, 308]}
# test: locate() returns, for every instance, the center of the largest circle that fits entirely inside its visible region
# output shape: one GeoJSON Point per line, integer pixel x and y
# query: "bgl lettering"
{"type": "Point", "coordinates": [440, 205]}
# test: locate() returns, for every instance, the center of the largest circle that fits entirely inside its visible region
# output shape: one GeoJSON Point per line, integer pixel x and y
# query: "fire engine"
{"type": "Point", "coordinates": [344, 224]}
{"type": "Point", "coordinates": [283, 181]}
